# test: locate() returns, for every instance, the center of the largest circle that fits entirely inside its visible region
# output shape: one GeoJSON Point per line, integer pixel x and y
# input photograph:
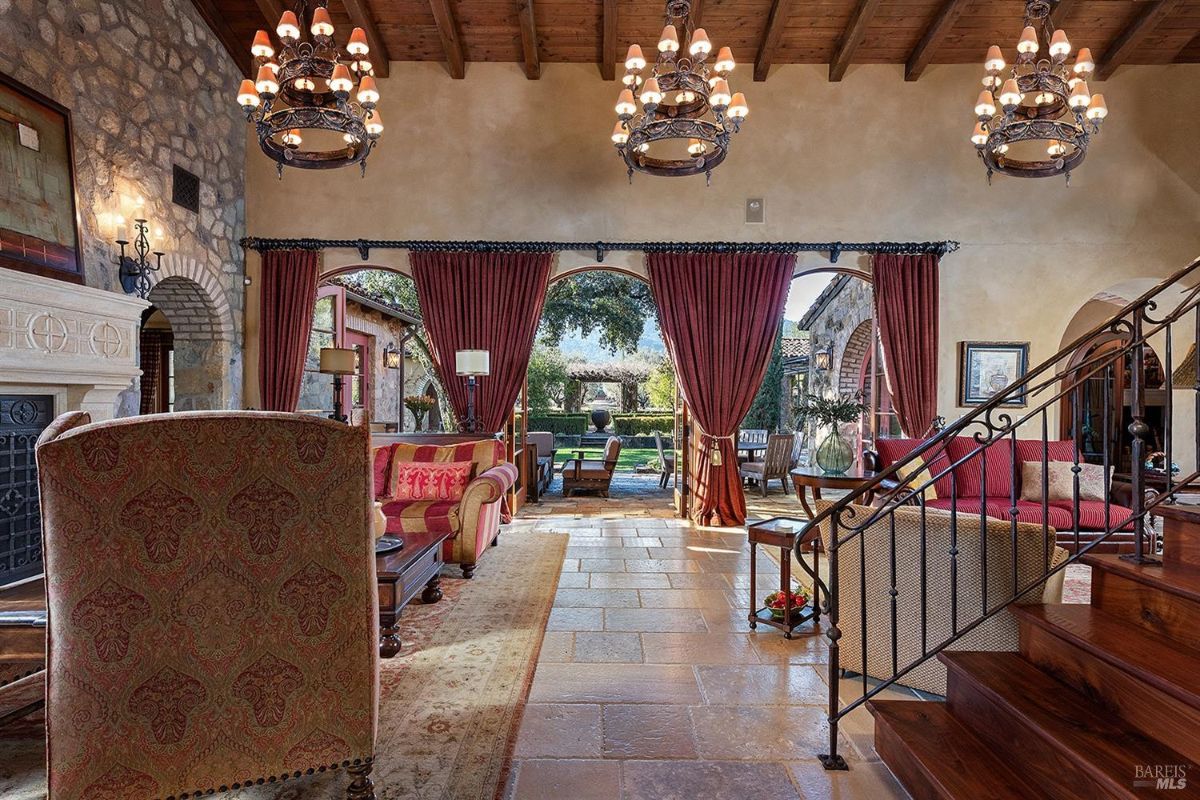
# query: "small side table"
{"type": "Point", "coordinates": [772, 533]}
{"type": "Point", "coordinates": [815, 479]}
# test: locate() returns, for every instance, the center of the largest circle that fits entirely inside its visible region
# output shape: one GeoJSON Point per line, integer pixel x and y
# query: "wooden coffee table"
{"type": "Point", "coordinates": [401, 574]}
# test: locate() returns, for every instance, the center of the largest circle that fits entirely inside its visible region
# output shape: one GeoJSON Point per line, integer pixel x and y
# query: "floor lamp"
{"type": "Point", "coordinates": [337, 361]}
{"type": "Point", "coordinates": [471, 364]}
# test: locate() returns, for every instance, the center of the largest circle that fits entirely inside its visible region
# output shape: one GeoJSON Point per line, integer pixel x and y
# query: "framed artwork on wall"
{"type": "Point", "coordinates": [39, 229]}
{"type": "Point", "coordinates": [987, 368]}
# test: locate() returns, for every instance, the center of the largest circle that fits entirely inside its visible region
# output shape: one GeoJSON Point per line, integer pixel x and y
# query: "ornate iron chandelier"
{"type": "Point", "coordinates": [1046, 114]}
{"type": "Point", "coordinates": [688, 112]}
{"type": "Point", "coordinates": [306, 86]}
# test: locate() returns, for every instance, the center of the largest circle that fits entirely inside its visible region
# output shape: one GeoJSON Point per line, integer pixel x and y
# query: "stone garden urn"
{"type": "Point", "coordinates": [601, 418]}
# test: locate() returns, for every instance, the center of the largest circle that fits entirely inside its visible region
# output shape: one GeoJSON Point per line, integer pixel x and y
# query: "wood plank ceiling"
{"type": "Point", "coordinates": [915, 33]}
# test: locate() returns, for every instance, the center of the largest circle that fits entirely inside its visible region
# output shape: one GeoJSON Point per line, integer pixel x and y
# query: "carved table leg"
{"type": "Point", "coordinates": [361, 787]}
{"type": "Point", "coordinates": [803, 495]}
{"type": "Point", "coordinates": [433, 590]}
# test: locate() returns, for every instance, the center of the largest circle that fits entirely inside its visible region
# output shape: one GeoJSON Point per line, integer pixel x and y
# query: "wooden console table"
{"type": "Point", "coordinates": [401, 574]}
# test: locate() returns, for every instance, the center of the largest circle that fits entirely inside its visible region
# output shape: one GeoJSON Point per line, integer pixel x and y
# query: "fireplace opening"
{"type": "Point", "coordinates": [22, 418]}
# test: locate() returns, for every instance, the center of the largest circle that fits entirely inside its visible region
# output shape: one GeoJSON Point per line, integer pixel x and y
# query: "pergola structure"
{"type": "Point", "coordinates": [627, 373]}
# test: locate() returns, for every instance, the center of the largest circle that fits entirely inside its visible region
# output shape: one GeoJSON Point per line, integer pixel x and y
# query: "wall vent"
{"type": "Point", "coordinates": [185, 189]}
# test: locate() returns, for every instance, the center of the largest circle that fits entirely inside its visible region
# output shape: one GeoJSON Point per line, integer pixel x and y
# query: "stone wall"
{"type": "Point", "coordinates": [835, 325]}
{"type": "Point", "coordinates": [385, 389]}
{"type": "Point", "coordinates": [149, 87]}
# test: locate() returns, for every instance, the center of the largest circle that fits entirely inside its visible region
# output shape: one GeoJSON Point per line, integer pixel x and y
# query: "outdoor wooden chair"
{"type": "Point", "coordinates": [666, 460]}
{"type": "Point", "coordinates": [775, 465]}
{"type": "Point", "coordinates": [593, 475]}
{"type": "Point", "coordinates": [541, 449]}
{"type": "Point", "coordinates": [752, 435]}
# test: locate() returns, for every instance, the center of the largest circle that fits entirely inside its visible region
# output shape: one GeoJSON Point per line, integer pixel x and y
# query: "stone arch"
{"type": "Point", "coordinates": [203, 333]}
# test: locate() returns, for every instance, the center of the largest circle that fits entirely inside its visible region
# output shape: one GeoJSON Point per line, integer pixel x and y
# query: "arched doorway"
{"type": "Point", "coordinates": [157, 360]}
{"type": "Point", "coordinates": [200, 347]}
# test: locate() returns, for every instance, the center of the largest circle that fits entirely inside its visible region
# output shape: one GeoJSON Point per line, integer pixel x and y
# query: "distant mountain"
{"type": "Point", "coordinates": [588, 347]}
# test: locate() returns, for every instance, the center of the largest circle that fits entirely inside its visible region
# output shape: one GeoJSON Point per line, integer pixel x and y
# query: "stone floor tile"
{"type": "Point", "coordinates": [573, 580]}
{"type": "Point", "coordinates": [629, 580]}
{"type": "Point", "coordinates": [559, 779]}
{"type": "Point", "coordinates": [684, 598]}
{"type": "Point", "coordinates": [759, 733]}
{"type": "Point", "coordinates": [697, 580]}
{"type": "Point", "coordinates": [606, 647]}
{"type": "Point", "coordinates": [711, 780]}
{"type": "Point", "coordinates": [654, 620]}
{"type": "Point", "coordinates": [551, 730]}
{"type": "Point", "coordinates": [807, 646]}
{"type": "Point", "coordinates": [661, 565]}
{"type": "Point", "coordinates": [765, 684]}
{"type": "Point", "coordinates": [557, 647]}
{"type": "Point", "coordinates": [698, 648]}
{"type": "Point", "coordinates": [863, 781]}
{"type": "Point", "coordinates": [647, 731]}
{"type": "Point", "coordinates": [614, 683]}
{"type": "Point", "coordinates": [596, 598]}
{"type": "Point", "coordinates": [601, 565]}
{"type": "Point", "coordinates": [576, 619]}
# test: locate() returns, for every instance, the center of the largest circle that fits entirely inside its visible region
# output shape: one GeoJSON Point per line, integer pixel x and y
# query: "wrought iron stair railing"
{"type": "Point", "coordinates": [1025, 410]}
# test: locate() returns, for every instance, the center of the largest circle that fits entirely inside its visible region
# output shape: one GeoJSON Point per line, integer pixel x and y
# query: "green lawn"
{"type": "Point", "coordinates": [630, 458]}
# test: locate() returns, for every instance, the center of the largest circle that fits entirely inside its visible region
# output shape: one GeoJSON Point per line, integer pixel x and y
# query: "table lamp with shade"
{"type": "Point", "coordinates": [471, 364]}
{"type": "Point", "coordinates": [337, 361]}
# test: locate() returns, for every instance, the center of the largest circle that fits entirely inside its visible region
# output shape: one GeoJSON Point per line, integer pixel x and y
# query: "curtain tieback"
{"type": "Point", "coordinates": [714, 442]}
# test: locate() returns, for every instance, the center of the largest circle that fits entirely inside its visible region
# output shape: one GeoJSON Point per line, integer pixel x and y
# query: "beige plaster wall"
{"type": "Point", "coordinates": [497, 156]}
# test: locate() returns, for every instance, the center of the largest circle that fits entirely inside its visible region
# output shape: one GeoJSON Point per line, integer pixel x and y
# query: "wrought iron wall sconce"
{"type": "Point", "coordinates": [392, 357]}
{"type": "Point", "coordinates": [135, 270]}
{"type": "Point", "coordinates": [823, 359]}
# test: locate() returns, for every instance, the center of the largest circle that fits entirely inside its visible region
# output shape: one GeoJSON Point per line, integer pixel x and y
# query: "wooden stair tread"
{"type": "Point", "coordinates": [1088, 735]}
{"type": "Point", "coordinates": [1180, 511]}
{"type": "Point", "coordinates": [948, 755]}
{"type": "Point", "coordinates": [1177, 579]}
{"type": "Point", "coordinates": [1163, 663]}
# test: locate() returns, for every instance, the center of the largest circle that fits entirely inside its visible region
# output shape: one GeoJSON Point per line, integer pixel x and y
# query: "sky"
{"type": "Point", "coordinates": [803, 292]}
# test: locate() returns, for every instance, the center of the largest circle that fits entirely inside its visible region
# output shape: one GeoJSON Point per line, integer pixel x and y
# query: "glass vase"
{"type": "Point", "coordinates": [835, 455]}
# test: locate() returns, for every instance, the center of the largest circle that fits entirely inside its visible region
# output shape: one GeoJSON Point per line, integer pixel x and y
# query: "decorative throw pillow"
{"type": "Point", "coordinates": [423, 480]}
{"type": "Point", "coordinates": [1060, 481]}
{"type": "Point", "coordinates": [916, 474]}
{"type": "Point", "coordinates": [380, 460]}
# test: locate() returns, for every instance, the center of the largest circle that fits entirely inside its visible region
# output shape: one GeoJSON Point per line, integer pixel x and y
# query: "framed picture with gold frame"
{"type": "Point", "coordinates": [39, 227]}
{"type": "Point", "coordinates": [986, 369]}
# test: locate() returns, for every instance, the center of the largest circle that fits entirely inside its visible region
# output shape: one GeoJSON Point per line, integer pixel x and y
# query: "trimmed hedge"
{"type": "Point", "coordinates": [559, 422]}
{"type": "Point", "coordinates": [643, 424]}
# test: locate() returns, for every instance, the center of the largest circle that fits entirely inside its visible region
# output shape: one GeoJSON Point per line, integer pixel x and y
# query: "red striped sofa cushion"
{"type": "Point", "coordinates": [998, 464]}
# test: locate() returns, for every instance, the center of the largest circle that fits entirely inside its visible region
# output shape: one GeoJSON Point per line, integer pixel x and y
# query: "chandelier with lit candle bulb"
{"type": "Point", "coordinates": [688, 112]}
{"type": "Point", "coordinates": [312, 107]}
{"type": "Point", "coordinates": [1038, 122]}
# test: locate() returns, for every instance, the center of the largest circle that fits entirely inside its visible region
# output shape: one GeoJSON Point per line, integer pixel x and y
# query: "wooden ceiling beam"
{"type": "Point", "coordinates": [608, 44]}
{"type": "Point", "coordinates": [271, 10]}
{"type": "Point", "coordinates": [1128, 40]}
{"type": "Point", "coordinates": [773, 34]}
{"type": "Point", "coordinates": [447, 27]}
{"type": "Point", "coordinates": [694, 14]}
{"type": "Point", "coordinates": [529, 40]}
{"type": "Point", "coordinates": [361, 16]}
{"type": "Point", "coordinates": [239, 51]}
{"type": "Point", "coordinates": [933, 38]}
{"type": "Point", "coordinates": [856, 30]}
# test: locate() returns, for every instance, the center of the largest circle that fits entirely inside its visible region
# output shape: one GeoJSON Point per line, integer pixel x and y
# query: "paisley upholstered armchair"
{"type": "Point", "coordinates": [212, 603]}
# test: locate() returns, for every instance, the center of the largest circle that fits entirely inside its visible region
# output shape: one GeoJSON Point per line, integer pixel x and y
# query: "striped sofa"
{"type": "Point", "coordinates": [474, 520]}
{"type": "Point", "coordinates": [968, 491]}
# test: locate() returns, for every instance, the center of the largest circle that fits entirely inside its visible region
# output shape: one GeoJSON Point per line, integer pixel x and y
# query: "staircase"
{"type": "Point", "coordinates": [1071, 701]}
{"type": "Point", "coordinates": [1101, 701]}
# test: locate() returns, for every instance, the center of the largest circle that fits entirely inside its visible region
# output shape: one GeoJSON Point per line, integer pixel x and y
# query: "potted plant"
{"type": "Point", "coordinates": [778, 602]}
{"type": "Point", "coordinates": [834, 454]}
{"type": "Point", "coordinates": [420, 405]}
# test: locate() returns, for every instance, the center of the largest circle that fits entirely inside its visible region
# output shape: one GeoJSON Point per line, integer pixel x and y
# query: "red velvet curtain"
{"type": "Point", "coordinates": [720, 314]}
{"type": "Point", "coordinates": [482, 301]}
{"type": "Point", "coordinates": [906, 307]}
{"type": "Point", "coordinates": [288, 291]}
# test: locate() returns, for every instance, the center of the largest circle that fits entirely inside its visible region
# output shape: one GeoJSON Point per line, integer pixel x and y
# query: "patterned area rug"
{"type": "Point", "coordinates": [450, 703]}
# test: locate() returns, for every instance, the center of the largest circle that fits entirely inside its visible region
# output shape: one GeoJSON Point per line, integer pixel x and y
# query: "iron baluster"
{"type": "Point", "coordinates": [1138, 429]}
{"type": "Point", "coordinates": [1108, 442]}
{"type": "Point", "coordinates": [894, 593]}
{"type": "Point", "coordinates": [983, 507]}
{"type": "Point", "coordinates": [1077, 437]}
{"type": "Point", "coordinates": [832, 759]}
{"type": "Point", "coordinates": [1167, 412]}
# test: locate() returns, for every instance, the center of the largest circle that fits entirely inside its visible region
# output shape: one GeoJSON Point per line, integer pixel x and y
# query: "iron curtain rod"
{"type": "Point", "coordinates": [835, 249]}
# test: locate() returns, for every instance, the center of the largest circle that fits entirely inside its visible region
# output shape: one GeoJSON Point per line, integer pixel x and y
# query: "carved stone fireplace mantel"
{"type": "Point", "coordinates": [73, 342]}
